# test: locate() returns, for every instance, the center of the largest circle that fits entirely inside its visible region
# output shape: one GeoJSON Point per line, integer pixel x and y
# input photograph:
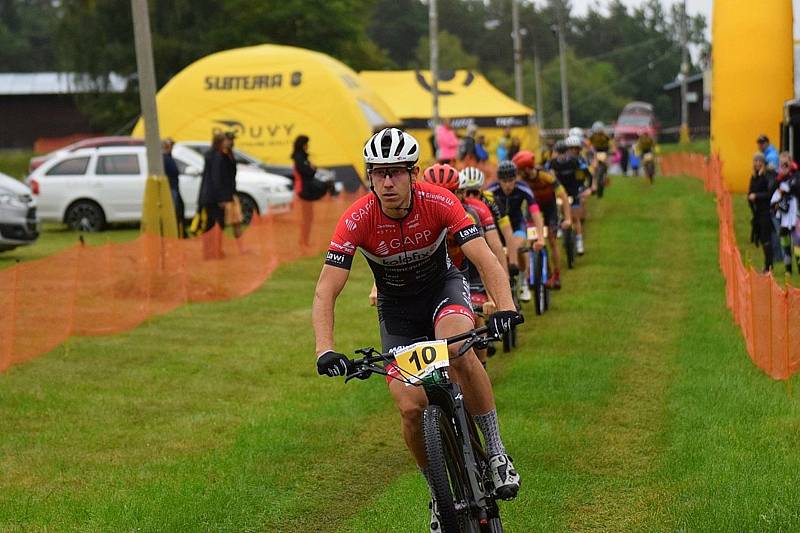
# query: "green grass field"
{"type": "Point", "coordinates": [632, 405]}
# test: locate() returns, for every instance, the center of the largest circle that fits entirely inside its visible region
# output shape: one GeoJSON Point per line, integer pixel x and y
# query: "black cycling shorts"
{"type": "Point", "coordinates": [549, 214]}
{"type": "Point", "coordinates": [406, 320]}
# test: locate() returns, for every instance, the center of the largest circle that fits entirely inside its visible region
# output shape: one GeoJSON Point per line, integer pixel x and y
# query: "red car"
{"type": "Point", "coordinates": [635, 119]}
{"type": "Point", "coordinates": [93, 142]}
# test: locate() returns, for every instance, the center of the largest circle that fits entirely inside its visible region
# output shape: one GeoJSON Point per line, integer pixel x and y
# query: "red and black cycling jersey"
{"type": "Point", "coordinates": [408, 255]}
{"type": "Point", "coordinates": [485, 215]}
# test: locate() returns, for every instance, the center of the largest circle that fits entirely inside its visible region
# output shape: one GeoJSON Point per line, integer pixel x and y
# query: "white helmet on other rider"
{"type": "Point", "coordinates": [575, 132]}
{"type": "Point", "coordinates": [471, 178]}
{"type": "Point", "coordinates": [391, 145]}
{"type": "Point", "coordinates": [573, 141]}
{"type": "Point", "coordinates": [598, 126]}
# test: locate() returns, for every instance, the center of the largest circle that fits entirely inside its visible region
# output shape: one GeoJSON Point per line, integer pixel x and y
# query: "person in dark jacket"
{"type": "Point", "coordinates": [307, 188]}
{"type": "Point", "coordinates": [217, 188]}
{"type": "Point", "coordinates": [173, 176]}
{"type": "Point", "coordinates": [762, 184]}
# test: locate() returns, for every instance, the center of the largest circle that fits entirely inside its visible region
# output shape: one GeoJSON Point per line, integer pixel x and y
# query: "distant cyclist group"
{"type": "Point", "coordinates": [451, 253]}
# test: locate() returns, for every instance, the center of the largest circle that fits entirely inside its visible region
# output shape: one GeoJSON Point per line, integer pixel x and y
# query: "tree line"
{"type": "Point", "coordinates": [615, 53]}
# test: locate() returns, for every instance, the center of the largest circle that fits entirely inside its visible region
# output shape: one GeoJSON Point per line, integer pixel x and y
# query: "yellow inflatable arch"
{"type": "Point", "coordinates": [752, 69]}
{"type": "Point", "coordinates": [270, 94]}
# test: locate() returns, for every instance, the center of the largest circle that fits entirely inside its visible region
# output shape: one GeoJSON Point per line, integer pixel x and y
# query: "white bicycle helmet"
{"type": "Point", "coordinates": [471, 178]}
{"type": "Point", "coordinates": [573, 141]}
{"type": "Point", "coordinates": [575, 132]}
{"type": "Point", "coordinates": [598, 126]}
{"type": "Point", "coordinates": [391, 145]}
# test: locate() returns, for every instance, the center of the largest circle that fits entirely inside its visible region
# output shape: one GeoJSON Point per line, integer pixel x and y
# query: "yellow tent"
{"type": "Point", "coordinates": [465, 97]}
{"type": "Point", "coordinates": [270, 94]}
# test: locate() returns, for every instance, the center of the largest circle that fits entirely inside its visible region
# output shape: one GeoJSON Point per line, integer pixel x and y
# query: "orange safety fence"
{"type": "Point", "coordinates": [101, 290]}
{"type": "Point", "coordinates": [767, 313]}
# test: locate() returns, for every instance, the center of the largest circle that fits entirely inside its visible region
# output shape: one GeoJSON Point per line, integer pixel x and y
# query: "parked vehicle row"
{"type": "Point", "coordinates": [19, 224]}
{"type": "Point", "coordinates": [87, 187]}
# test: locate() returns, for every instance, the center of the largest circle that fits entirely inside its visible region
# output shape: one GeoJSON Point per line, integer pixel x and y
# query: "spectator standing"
{"type": "Point", "coordinates": [784, 204]}
{"type": "Point", "coordinates": [467, 147]}
{"type": "Point", "coordinates": [769, 151]}
{"type": "Point", "coordinates": [503, 144]}
{"type": "Point", "coordinates": [233, 207]}
{"type": "Point", "coordinates": [513, 147]}
{"type": "Point", "coordinates": [446, 143]}
{"type": "Point", "coordinates": [624, 157]}
{"type": "Point", "coordinates": [759, 196]}
{"type": "Point", "coordinates": [173, 176]}
{"type": "Point", "coordinates": [306, 187]}
{"type": "Point", "coordinates": [480, 149]}
{"type": "Point", "coordinates": [216, 189]}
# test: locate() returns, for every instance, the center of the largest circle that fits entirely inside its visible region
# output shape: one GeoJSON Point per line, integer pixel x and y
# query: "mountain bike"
{"type": "Point", "coordinates": [568, 239]}
{"type": "Point", "coordinates": [538, 274]}
{"type": "Point", "coordinates": [601, 173]}
{"type": "Point", "coordinates": [649, 164]}
{"type": "Point", "coordinates": [457, 460]}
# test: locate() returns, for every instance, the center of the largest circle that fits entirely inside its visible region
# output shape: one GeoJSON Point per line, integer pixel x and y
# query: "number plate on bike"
{"type": "Point", "coordinates": [533, 234]}
{"type": "Point", "coordinates": [418, 361]}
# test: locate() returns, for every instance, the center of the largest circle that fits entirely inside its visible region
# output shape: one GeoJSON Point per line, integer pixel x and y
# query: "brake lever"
{"type": "Point", "coordinates": [364, 373]}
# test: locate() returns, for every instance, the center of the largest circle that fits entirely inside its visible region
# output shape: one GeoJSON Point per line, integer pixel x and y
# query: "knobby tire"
{"type": "Point", "coordinates": [445, 467]}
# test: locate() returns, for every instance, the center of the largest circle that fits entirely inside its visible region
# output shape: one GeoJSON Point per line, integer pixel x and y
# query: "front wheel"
{"type": "Point", "coordinates": [601, 180]}
{"type": "Point", "coordinates": [447, 472]}
{"type": "Point", "coordinates": [569, 247]}
{"type": "Point", "coordinates": [650, 171]}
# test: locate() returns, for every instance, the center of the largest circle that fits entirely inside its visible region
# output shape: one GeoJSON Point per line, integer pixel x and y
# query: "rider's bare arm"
{"type": "Point", "coordinates": [373, 295]}
{"type": "Point", "coordinates": [492, 274]}
{"type": "Point", "coordinates": [331, 282]}
{"type": "Point", "coordinates": [565, 205]}
{"type": "Point", "coordinates": [493, 240]}
{"type": "Point", "coordinates": [538, 221]}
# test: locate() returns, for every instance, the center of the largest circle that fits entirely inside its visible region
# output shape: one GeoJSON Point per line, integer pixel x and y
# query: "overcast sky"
{"type": "Point", "coordinates": [693, 6]}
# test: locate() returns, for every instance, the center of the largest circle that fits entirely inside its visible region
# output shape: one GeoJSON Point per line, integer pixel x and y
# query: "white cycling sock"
{"type": "Point", "coordinates": [491, 432]}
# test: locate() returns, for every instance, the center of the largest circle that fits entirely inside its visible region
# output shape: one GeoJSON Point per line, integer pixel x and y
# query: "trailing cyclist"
{"type": "Point", "coordinates": [400, 228]}
{"type": "Point", "coordinates": [511, 194]}
{"type": "Point", "coordinates": [546, 189]}
{"type": "Point", "coordinates": [572, 171]}
{"type": "Point", "coordinates": [447, 177]}
{"type": "Point", "coordinates": [645, 147]}
{"type": "Point", "coordinates": [601, 143]}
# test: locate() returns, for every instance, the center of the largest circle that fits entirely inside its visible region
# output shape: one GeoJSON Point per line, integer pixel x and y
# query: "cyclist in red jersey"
{"type": "Point", "coordinates": [546, 189]}
{"type": "Point", "coordinates": [400, 227]}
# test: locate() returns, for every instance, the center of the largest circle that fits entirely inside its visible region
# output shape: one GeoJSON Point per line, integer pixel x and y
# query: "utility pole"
{"type": "Point", "coordinates": [433, 37]}
{"type": "Point", "coordinates": [537, 74]}
{"type": "Point", "coordinates": [147, 86]}
{"type": "Point", "coordinates": [562, 55]}
{"type": "Point", "coordinates": [517, 50]}
{"type": "Point", "coordinates": [158, 212]}
{"type": "Point", "coordinates": [684, 133]}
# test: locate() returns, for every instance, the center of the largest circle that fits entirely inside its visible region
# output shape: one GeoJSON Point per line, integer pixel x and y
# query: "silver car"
{"type": "Point", "coordinates": [19, 224]}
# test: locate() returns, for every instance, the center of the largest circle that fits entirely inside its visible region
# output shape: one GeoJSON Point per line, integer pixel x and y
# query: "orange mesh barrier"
{"type": "Point", "coordinates": [767, 313]}
{"type": "Point", "coordinates": [101, 290]}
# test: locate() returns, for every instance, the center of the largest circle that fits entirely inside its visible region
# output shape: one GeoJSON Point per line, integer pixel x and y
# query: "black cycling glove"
{"type": "Point", "coordinates": [502, 322]}
{"type": "Point", "coordinates": [333, 364]}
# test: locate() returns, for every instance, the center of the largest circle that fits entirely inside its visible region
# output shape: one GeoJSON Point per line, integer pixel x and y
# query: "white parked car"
{"type": "Point", "coordinates": [18, 222]}
{"type": "Point", "coordinates": [89, 187]}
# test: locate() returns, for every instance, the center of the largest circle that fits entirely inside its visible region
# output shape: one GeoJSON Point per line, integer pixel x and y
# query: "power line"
{"type": "Point", "coordinates": [646, 66]}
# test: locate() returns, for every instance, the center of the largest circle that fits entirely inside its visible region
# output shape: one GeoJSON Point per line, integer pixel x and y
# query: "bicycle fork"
{"type": "Point", "coordinates": [467, 432]}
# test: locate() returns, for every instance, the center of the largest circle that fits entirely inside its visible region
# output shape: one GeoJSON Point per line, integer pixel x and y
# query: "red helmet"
{"type": "Point", "coordinates": [442, 175]}
{"type": "Point", "coordinates": [524, 159]}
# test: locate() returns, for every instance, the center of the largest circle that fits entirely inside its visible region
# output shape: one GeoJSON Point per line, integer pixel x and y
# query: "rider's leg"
{"type": "Point", "coordinates": [474, 382]}
{"type": "Point", "coordinates": [411, 401]}
{"type": "Point", "coordinates": [554, 253]}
